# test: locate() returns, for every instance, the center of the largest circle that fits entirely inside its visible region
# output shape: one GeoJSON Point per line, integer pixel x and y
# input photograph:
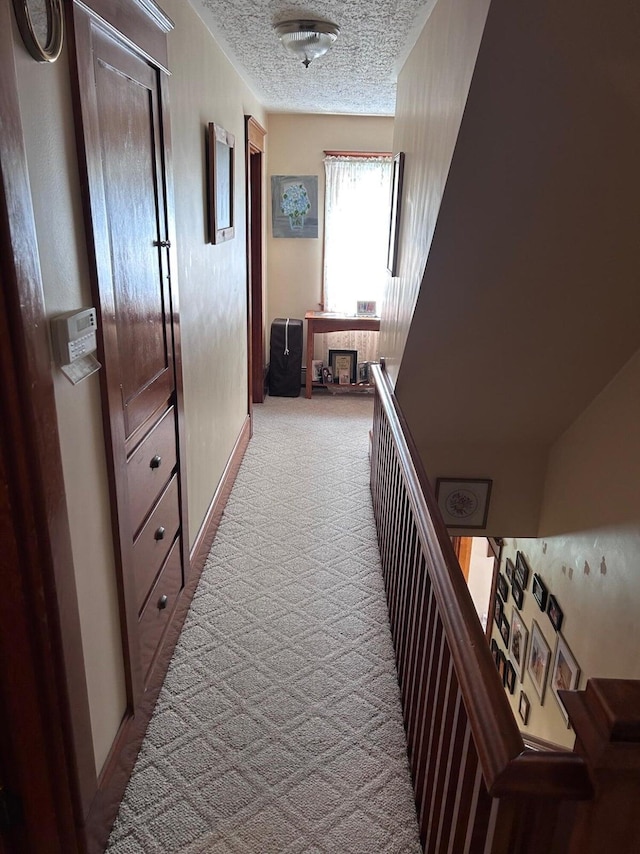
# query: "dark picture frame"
{"type": "Point", "coordinates": [509, 568]}
{"type": "Point", "coordinates": [505, 629]}
{"type": "Point", "coordinates": [540, 592]}
{"type": "Point", "coordinates": [524, 707]}
{"type": "Point", "coordinates": [464, 502]}
{"type": "Point", "coordinates": [522, 570]}
{"type": "Point", "coordinates": [510, 677]}
{"type": "Point", "coordinates": [502, 586]}
{"type": "Point", "coordinates": [501, 664]}
{"type": "Point", "coordinates": [498, 610]}
{"type": "Point", "coordinates": [336, 358]}
{"type": "Point", "coordinates": [397, 175]}
{"type": "Point", "coordinates": [554, 612]}
{"type": "Point", "coordinates": [220, 151]}
{"type": "Point", "coordinates": [517, 592]}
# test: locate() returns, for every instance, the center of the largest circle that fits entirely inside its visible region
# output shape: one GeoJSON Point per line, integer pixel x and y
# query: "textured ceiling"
{"type": "Point", "coordinates": [359, 73]}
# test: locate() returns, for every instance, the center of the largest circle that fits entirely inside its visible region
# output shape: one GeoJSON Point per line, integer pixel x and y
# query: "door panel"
{"type": "Point", "coordinates": [133, 192]}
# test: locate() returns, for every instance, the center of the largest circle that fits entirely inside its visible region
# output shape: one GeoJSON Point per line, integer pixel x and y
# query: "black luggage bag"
{"type": "Point", "coordinates": [285, 358]}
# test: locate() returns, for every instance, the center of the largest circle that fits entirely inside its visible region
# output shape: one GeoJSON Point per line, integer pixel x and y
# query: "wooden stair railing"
{"type": "Point", "coordinates": [477, 787]}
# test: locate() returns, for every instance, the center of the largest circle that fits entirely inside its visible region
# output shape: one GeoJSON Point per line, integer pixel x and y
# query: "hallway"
{"type": "Point", "coordinates": [279, 726]}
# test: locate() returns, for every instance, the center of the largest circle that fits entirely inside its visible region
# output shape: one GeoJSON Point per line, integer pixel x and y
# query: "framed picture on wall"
{"type": "Point", "coordinates": [517, 592]}
{"type": "Point", "coordinates": [523, 708]}
{"type": "Point", "coordinates": [522, 571]}
{"type": "Point", "coordinates": [464, 503]}
{"type": "Point", "coordinates": [538, 661]}
{"type": "Point", "coordinates": [220, 148]}
{"type": "Point", "coordinates": [503, 586]}
{"type": "Point", "coordinates": [539, 591]}
{"type": "Point", "coordinates": [565, 673]}
{"type": "Point", "coordinates": [555, 613]}
{"type": "Point", "coordinates": [518, 642]}
{"type": "Point", "coordinates": [394, 219]}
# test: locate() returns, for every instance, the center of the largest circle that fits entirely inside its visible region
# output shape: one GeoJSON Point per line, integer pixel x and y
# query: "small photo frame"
{"type": "Point", "coordinates": [327, 375]}
{"type": "Point", "coordinates": [364, 372]}
{"type": "Point", "coordinates": [539, 591]}
{"type": "Point", "coordinates": [522, 570]}
{"type": "Point", "coordinates": [524, 707]}
{"type": "Point", "coordinates": [518, 642]}
{"type": "Point", "coordinates": [509, 677]}
{"type": "Point", "coordinates": [464, 503]}
{"type": "Point", "coordinates": [555, 613]}
{"type": "Point", "coordinates": [538, 661]}
{"type": "Point", "coordinates": [344, 360]}
{"type": "Point", "coordinates": [517, 592]}
{"type": "Point", "coordinates": [498, 610]}
{"type": "Point", "coordinates": [504, 629]}
{"type": "Point", "coordinates": [344, 378]}
{"type": "Point", "coordinates": [494, 650]}
{"type": "Point", "coordinates": [367, 308]}
{"type": "Point", "coordinates": [503, 587]}
{"type": "Point", "coordinates": [565, 673]}
{"type": "Point", "coordinates": [316, 370]}
{"type": "Point", "coordinates": [509, 568]}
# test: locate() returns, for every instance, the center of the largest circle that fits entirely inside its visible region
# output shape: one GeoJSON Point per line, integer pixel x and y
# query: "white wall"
{"type": "Point", "coordinates": [296, 144]}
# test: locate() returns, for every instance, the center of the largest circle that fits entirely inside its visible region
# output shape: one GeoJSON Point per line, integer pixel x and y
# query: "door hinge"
{"type": "Point", "coordinates": [10, 809]}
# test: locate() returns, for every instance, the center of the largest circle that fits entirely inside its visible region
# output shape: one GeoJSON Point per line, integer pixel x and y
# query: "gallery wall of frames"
{"type": "Point", "coordinates": [530, 649]}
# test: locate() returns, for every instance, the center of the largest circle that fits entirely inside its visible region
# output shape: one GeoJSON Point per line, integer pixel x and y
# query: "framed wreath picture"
{"type": "Point", "coordinates": [538, 661]}
{"type": "Point", "coordinates": [464, 503]}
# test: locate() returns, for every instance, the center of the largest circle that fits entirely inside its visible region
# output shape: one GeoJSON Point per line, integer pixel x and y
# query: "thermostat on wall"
{"type": "Point", "coordinates": [74, 343]}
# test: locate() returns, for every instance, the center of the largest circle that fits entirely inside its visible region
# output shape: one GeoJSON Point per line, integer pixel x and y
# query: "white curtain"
{"type": "Point", "coordinates": [356, 235]}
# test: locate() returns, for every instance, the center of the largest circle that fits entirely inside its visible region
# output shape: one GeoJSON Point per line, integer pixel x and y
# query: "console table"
{"type": "Point", "coordinates": [327, 321]}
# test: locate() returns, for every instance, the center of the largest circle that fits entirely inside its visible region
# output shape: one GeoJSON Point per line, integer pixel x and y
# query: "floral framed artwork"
{"type": "Point", "coordinates": [464, 503]}
{"type": "Point", "coordinates": [538, 661]}
{"type": "Point", "coordinates": [294, 205]}
{"type": "Point", "coordinates": [220, 149]}
{"type": "Point", "coordinates": [565, 673]}
{"type": "Point", "coordinates": [518, 642]}
{"type": "Point", "coordinates": [394, 220]}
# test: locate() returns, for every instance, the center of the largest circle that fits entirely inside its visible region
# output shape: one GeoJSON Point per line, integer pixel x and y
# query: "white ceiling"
{"type": "Point", "coordinates": [357, 76]}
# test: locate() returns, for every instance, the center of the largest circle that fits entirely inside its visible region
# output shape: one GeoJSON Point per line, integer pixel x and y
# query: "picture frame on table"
{"type": "Point", "coordinates": [565, 673]}
{"type": "Point", "coordinates": [366, 308]}
{"type": "Point", "coordinates": [220, 157]}
{"type": "Point", "coordinates": [344, 360]}
{"type": "Point", "coordinates": [316, 370]}
{"type": "Point", "coordinates": [524, 707]}
{"type": "Point", "coordinates": [505, 629]}
{"type": "Point", "coordinates": [538, 661]}
{"type": "Point", "coordinates": [464, 502]}
{"type": "Point", "coordinates": [327, 375]}
{"type": "Point", "coordinates": [522, 571]}
{"type": "Point", "coordinates": [518, 642]}
{"type": "Point", "coordinates": [502, 586]}
{"type": "Point", "coordinates": [554, 612]}
{"type": "Point", "coordinates": [540, 592]}
{"type": "Point", "coordinates": [517, 592]}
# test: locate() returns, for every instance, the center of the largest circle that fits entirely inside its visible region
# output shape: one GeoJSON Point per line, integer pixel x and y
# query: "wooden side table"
{"type": "Point", "coordinates": [327, 321]}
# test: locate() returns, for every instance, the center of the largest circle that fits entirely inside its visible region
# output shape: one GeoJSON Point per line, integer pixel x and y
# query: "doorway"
{"type": "Point", "coordinates": [255, 135]}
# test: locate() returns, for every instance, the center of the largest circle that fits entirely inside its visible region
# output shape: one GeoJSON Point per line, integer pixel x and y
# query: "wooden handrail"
{"type": "Point", "coordinates": [508, 768]}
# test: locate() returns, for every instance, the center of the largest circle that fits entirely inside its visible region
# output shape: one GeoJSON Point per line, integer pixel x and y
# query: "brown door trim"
{"type": "Point", "coordinates": [40, 622]}
{"type": "Point", "coordinates": [255, 135]}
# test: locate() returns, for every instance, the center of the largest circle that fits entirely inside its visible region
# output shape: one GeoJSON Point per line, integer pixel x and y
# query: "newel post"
{"type": "Point", "coordinates": [606, 719]}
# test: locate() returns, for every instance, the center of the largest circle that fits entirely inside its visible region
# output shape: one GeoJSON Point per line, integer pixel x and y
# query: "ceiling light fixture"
{"type": "Point", "coordinates": [307, 39]}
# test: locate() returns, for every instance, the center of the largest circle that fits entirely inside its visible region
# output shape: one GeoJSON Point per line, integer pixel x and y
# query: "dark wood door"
{"type": "Point", "coordinates": [121, 96]}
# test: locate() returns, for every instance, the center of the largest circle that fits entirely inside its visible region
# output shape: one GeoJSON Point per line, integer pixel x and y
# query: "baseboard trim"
{"type": "Point", "coordinates": [211, 522]}
{"type": "Point", "coordinates": [113, 780]}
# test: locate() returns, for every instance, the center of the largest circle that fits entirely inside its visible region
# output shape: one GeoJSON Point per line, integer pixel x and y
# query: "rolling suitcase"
{"type": "Point", "coordinates": [285, 359]}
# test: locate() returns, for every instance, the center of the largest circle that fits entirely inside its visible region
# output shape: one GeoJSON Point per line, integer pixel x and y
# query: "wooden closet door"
{"type": "Point", "coordinates": [120, 96]}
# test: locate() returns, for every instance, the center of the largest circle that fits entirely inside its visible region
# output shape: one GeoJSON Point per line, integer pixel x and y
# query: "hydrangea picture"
{"type": "Point", "coordinates": [294, 205]}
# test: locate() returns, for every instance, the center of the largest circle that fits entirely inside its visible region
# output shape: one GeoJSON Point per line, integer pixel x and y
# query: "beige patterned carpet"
{"type": "Point", "coordinates": [279, 727]}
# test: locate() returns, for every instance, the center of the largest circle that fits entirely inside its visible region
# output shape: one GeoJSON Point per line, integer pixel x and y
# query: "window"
{"type": "Point", "coordinates": [356, 230]}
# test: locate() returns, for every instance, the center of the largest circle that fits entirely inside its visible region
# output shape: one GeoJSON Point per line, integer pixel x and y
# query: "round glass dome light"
{"type": "Point", "coordinates": [307, 39]}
